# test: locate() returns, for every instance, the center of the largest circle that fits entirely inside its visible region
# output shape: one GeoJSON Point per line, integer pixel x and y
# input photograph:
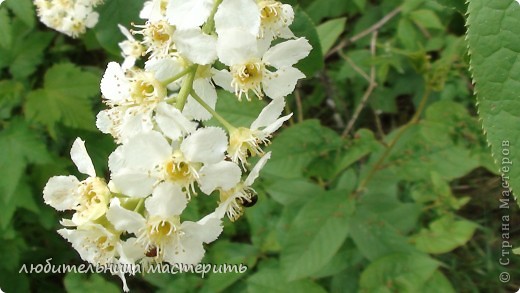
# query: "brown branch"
{"type": "Point", "coordinates": [376, 26]}
{"type": "Point", "coordinates": [371, 86]}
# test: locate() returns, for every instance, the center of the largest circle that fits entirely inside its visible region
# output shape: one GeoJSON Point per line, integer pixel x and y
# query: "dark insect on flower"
{"type": "Point", "coordinates": [252, 201]}
{"type": "Point", "coordinates": [152, 252]}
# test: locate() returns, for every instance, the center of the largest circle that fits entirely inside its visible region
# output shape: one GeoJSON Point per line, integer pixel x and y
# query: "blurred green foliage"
{"type": "Point", "coordinates": [405, 201]}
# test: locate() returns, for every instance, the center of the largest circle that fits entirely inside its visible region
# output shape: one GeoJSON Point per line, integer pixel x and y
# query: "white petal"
{"type": "Point", "coordinates": [207, 230]}
{"type": "Point", "coordinates": [277, 124]}
{"type": "Point", "coordinates": [130, 251]}
{"type": "Point", "coordinates": [186, 14]}
{"type": "Point", "coordinates": [126, 32]}
{"type": "Point", "coordinates": [81, 159]}
{"type": "Point", "coordinates": [199, 48]}
{"type": "Point", "coordinates": [103, 121]}
{"type": "Point", "coordinates": [269, 114]}
{"type": "Point", "coordinates": [223, 79]}
{"type": "Point", "coordinates": [134, 183]}
{"type": "Point", "coordinates": [207, 93]}
{"type": "Point", "coordinates": [164, 68]}
{"type": "Point", "coordinates": [134, 122]}
{"type": "Point", "coordinates": [166, 201]}
{"type": "Point", "coordinates": [223, 175]}
{"type": "Point", "coordinates": [172, 123]}
{"type": "Point", "coordinates": [243, 14]}
{"type": "Point", "coordinates": [282, 82]}
{"type": "Point", "coordinates": [188, 250]}
{"type": "Point", "coordinates": [116, 160]}
{"type": "Point", "coordinates": [60, 192]}
{"type": "Point", "coordinates": [256, 170]}
{"type": "Point", "coordinates": [123, 219]}
{"type": "Point", "coordinates": [287, 53]}
{"type": "Point", "coordinates": [236, 46]}
{"type": "Point", "coordinates": [114, 85]}
{"type": "Point", "coordinates": [206, 145]}
{"type": "Point", "coordinates": [146, 150]}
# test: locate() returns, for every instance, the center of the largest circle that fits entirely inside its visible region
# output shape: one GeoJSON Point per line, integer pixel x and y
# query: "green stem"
{"type": "Point", "coordinates": [213, 112]}
{"type": "Point", "coordinates": [210, 24]}
{"type": "Point", "coordinates": [187, 86]}
{"type": "Point", "coordinates": [392, 143]}
{"type": "Point", "coordinates": [177, 76]}
{"type": "Point", "coordinates": [139, 204]}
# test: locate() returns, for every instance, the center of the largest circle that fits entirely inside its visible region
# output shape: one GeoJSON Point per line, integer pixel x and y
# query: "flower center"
{"type": "Point", "coordinates": [243, 143]}
{"type": "Point", "coordinates": [248, 77]}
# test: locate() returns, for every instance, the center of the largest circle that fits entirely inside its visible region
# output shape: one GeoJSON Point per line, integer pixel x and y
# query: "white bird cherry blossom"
{"type": "Point", "coordinates": [252, 69]}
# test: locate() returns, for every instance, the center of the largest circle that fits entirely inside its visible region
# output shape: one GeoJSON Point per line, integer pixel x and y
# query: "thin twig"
{"type": "Point", "coordinates": [376, 26]}
{"type": "Point", "coordinates": [299, 107]}
{"type": "Point", "coordinates": [371, 86]}
{"type": "Point", "coordinates": [354, 66]}
{"type": "Point", "coordinates": [392, 143]}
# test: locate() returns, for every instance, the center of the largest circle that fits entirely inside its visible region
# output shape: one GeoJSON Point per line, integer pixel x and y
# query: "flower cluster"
{"type": "Point", "coordinates": [70, 17]}
{"type": "Point", "coordinates": [166, 155]}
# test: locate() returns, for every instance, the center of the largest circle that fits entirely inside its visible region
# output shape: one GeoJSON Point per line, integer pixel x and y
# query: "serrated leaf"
{"type": "Point", "coordinates": [272, 280]}
{"type": "Point", "coordinates": [64, 98]}
{"type": "Point", "coordinates": [295, 147]}
{"type": "Point", "coordinates": [10, 97]}
{"type": "Point", "coordinates": [329, 32]}
{"type": "Point", "coordinates": [24, 10]}
{"type": "Point", "coordinates": [494, 49]}
{"type": "Point", "coordinates": [400, 272]}
{"type": "Point", "coordinates": [20, 146]}
{"type": "Point", "coordinates": [26, 52]}
{"type": "Point", "coordinates": [444, 235]}
{"type": "Point", "coordinates": [316, 234]}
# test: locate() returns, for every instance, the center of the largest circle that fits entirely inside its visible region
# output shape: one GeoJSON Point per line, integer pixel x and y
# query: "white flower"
{"type": "Point", "coordinates": [188, 14]}
{"type": "Point", "coordinates": [238, 14]}
{"type": "Point", "coordinates": [161, 232]}
{"type": "Point", "coordinates": [131, 49]}
{"type": "Point", "coordinates": [150, 159]}
{"type": "Point", "coordinates": [94, 243]}
{"type": "Point", "coordinates": [275, 19]}
{"type": "Point", "coordinates": [232, 201]}
{"type": "Point", "coordinates": [157, 37]}
{"type": "Point", "coordinates": [250, 66]}
{"type": "Point", "coordinates": [89, 198]}
{"type": "Point", "coordinates": [154, 10]}
{"type": "Point", "coordinates": [132, 96]}
{"type": "Point", "coordinates": [246, 141]}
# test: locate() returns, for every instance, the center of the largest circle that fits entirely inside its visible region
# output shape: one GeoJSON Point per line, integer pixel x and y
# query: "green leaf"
{"type": "Point", "coordinates": [26, 52]}
{"type": "Point", "coordinates": [316, 234]}
{"type": "Point", "coordinates": [112, 13]}
{"type": "Point", "coordinates": [238, 113]}
{"type": "Point", "coordinates": [272, 280]}
{"type": "Point", "coordinates": [5, 29]}
{"type": "Point", "coordinates": [20, 146]}
{"type": "Point", "coordinates": [399, 272]}
{"type": "Point", "coordinates": [374, 236]}
{"type": "Point", "coordinates": [293, 191]}
{"type": "Point", "coordinates": [10, 97]}
{"type": "Point", "coordinates": [438, 283]}
{"type": "Point", "coordinates": [407, 34]}
{"type": "Point", "coordinates": [427, 19]}
{"type": "Point", "coordinates": [64, 98]}
{"type": "Point", "coordinates": [296, 146]}
{"type": "Point", "coordinates": [444, 235]}
{"type": "Point", "coordinates": [493, 44]}
{"type": "Point", "coordinates": [329, 32]}
{"type": "Point", "coordinates": [225, 253]}
{"type": "Point", "coordinates": [79, 283]}
{"type": "Point", "coordinates": [303, 26]}
{"type": "Point", "coordinates": [24, 10]}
